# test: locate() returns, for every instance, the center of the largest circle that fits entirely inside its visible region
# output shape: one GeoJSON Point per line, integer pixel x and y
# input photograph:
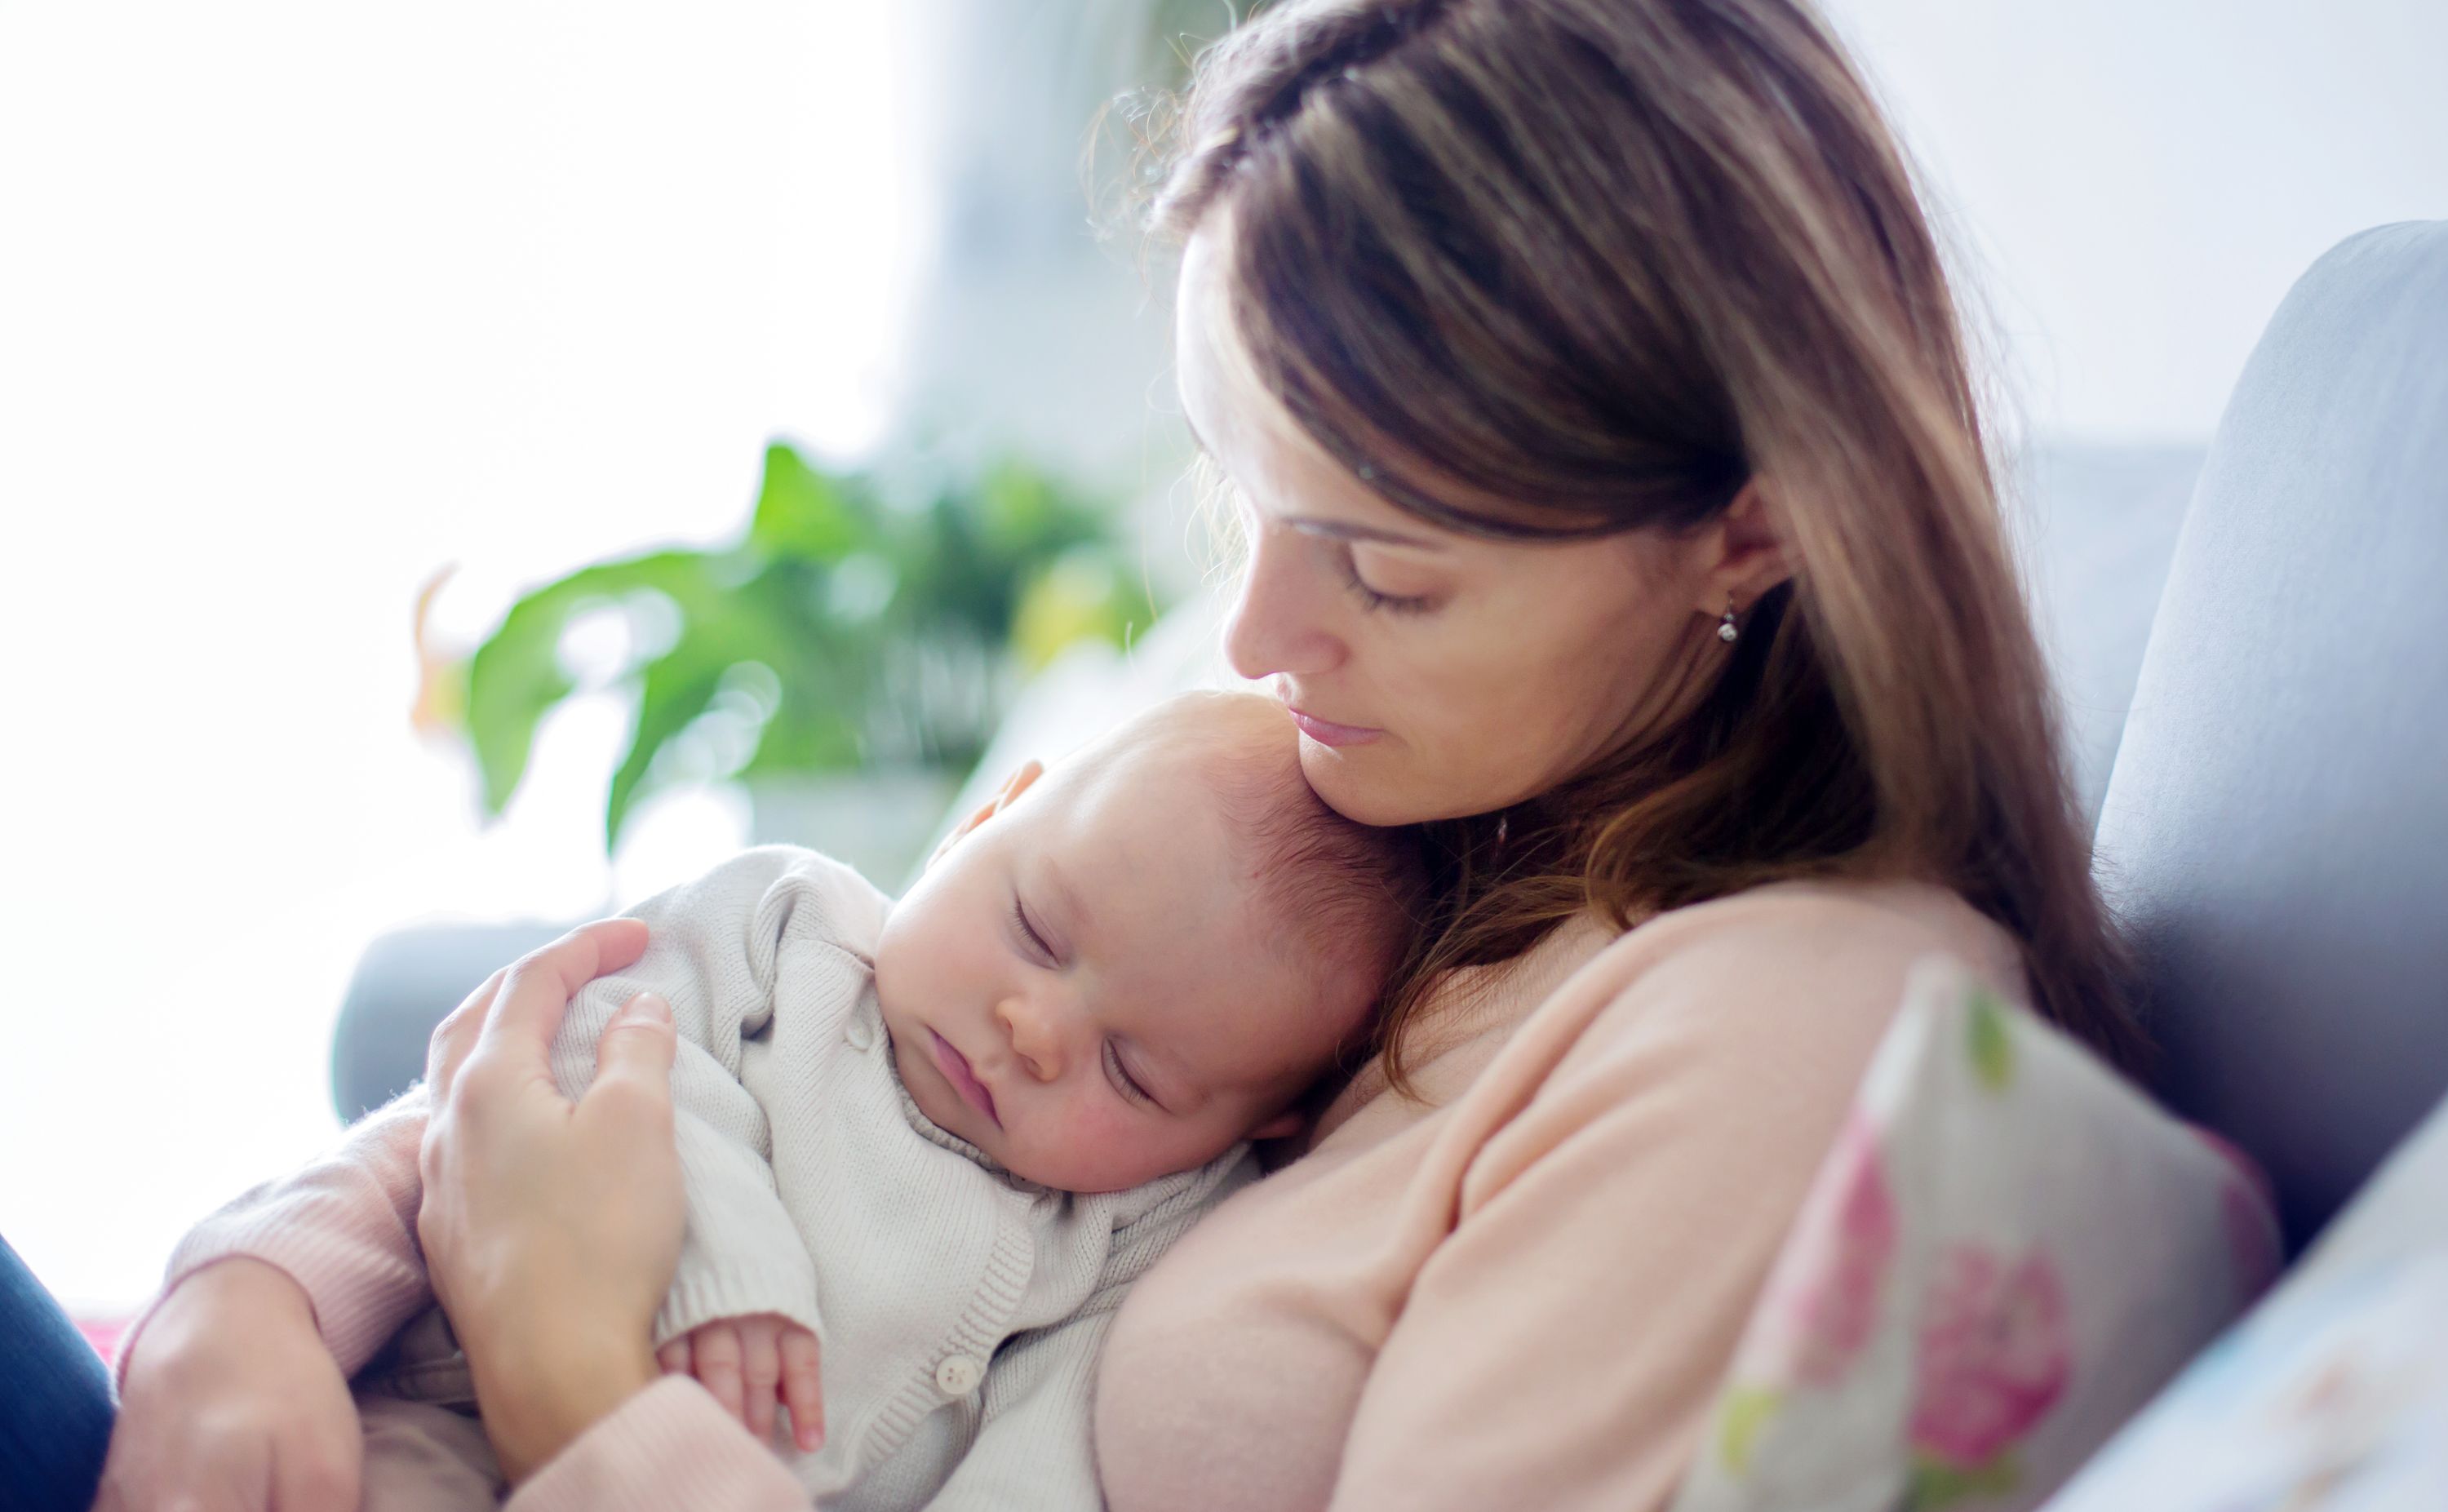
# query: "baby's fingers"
{"type": "Point", "coordinates": [760, 1368]}
{"type": "Point", "coordinates": [803, 1389]}
{"type": "Point", "coordinates": [713, 1353]}
{"type": "Point", "coordinates": [674, 1357]}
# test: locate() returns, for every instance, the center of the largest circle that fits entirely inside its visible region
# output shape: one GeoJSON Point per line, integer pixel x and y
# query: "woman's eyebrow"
{"type": "Point", "coordinates": [1335, 529]}
{"type": "Point", "coordinates": [1345, 531]}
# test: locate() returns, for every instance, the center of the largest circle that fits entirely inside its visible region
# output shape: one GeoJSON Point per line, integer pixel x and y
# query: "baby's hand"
{"type": "Point", "coordinates": [750, 1362]}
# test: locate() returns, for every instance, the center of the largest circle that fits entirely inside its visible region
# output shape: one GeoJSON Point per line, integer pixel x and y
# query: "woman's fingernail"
{"type": "Point", "coordinates": [650, 1006]}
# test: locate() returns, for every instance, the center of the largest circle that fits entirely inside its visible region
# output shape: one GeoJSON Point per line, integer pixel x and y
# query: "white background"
{"type": "Point", "coordinates": [300, 303]}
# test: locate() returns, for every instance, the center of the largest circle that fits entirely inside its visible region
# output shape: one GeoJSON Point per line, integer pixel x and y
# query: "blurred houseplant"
{"type": "Point", "coordinates": [852, 639]}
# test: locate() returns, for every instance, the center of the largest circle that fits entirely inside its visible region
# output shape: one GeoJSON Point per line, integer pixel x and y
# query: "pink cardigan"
{"type": "Point", "coordinates": [1524, 1293]}
{"type": "Point", "coordinates": [1521, 1293]}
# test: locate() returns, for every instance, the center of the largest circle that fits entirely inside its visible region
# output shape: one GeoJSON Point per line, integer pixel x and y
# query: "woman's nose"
{"type": "Point", "coordinates": [1036, 1042]}
{"type": "Point", "coordinates": [1275, 624]}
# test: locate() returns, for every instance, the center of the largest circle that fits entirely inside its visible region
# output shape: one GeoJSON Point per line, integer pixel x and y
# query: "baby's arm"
{"type": "Point", "coordinates": [713, 949]}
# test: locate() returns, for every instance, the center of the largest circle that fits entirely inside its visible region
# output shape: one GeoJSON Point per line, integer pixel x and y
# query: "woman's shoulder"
{"type": "Point", "coordinates": [1783, 971]}
{"type": "Point", "coordinates": [1839, 933]}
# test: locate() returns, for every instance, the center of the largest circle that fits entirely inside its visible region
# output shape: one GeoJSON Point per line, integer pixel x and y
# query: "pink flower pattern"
{"type": "Point", "coordinates": [1847, 1237]}
{"type": "Point", "coordinates": [1993, 1356]}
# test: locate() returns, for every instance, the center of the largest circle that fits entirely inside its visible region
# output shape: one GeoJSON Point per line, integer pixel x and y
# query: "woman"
{"type": "Point", "coordinates": [1615, 506]}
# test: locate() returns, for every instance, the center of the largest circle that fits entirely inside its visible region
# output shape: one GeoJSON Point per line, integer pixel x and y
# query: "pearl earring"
{"type": "Point", "coordinates": [1725, 630]}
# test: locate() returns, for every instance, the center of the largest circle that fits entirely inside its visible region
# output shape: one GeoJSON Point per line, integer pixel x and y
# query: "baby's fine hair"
{"type": "Point", "coordinates": [1350, 890]}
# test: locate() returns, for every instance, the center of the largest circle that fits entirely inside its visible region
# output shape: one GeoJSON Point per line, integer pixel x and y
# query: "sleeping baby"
{"type": "Point", "coordinates": [929, 1144]}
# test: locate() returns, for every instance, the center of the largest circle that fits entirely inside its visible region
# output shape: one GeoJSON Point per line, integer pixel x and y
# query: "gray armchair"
{"type": "Point", "coordinates": [2276, 825]}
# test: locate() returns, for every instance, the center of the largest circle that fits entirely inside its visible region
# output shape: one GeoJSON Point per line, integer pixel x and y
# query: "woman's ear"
{"type": "Point", "coordinates": [1744, 552]}
{"type": "Point", "coordinates": [1013, 786]}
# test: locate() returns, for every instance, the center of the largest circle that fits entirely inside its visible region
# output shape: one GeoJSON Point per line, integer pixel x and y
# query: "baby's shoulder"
{"type": "Point", "coordinates": [778, 890]}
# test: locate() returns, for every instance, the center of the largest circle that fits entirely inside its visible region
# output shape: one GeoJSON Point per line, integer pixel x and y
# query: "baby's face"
{"type": "Point", "coordinates": [1088, 988]}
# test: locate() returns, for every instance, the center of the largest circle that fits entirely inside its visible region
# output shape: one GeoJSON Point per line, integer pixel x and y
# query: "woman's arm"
{"type": "Point", "coordinates": [232, 1402]}
{"type": "Point", "coordinates": [235, 1378]}
{"type": "Point", "coordinates": [551, 1230]}
{"type": "Point", "coordinates": [342, 1229]}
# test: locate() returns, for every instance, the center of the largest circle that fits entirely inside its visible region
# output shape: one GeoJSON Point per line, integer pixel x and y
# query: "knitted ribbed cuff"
{"type": "Point", "coordinates": [670, 1446]}
{"type": "Point", "coordinates": [699, 1296]}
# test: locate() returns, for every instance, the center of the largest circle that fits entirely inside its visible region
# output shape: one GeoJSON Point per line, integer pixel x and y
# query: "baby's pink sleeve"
{"type": "Point", "coordinates": [344, 1229]}
{"type": "Point", "coordinates": [670, 1446]}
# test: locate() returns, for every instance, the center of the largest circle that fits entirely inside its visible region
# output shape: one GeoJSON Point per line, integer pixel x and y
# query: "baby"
{"type": "Point", "coordinates": [927, 1145]}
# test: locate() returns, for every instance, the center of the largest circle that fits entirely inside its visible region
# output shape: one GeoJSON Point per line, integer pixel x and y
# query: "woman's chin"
{"type": "Point", "coordinates": [1382, 783]}
{"type": "Point", "coordinates": [1367, 784]}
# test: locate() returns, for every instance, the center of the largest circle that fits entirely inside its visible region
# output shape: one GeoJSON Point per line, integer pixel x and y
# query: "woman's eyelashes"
{"type": "Point", "coordinates": [1372, 599]}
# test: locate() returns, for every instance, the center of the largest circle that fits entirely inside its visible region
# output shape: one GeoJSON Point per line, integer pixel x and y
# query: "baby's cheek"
{"type": "Point", "coordinates": [1096, 1144]}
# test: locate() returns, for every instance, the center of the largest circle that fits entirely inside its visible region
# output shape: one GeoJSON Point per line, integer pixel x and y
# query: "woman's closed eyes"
{"type": "Point", "coordinates": [1371, 598]}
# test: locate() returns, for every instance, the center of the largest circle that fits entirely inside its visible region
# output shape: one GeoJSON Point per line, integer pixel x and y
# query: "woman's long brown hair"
{"type": "Point", "coordinates": [1556, 268]}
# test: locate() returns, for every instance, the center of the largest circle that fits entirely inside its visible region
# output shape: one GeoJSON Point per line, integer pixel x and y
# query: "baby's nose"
{"type": "Point", "coordinates": [1034, 1041]}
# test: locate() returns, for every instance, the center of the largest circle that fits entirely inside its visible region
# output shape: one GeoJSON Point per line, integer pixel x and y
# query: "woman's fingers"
{"type": "Point", "coordinates": [803, 1389]}
{"type": "Point", "coordinates": [633, 1059]}
{"type": "Point", "coordinates": [714, 1353]}
{"type": "Point", "coordinates": [536, 995]}
{"type": "Point", "coordinates": [455, 1035]}
{"type": "Point", "coordinates": [521, 1006]}
{"type": "Point", "coordinates": [760, 1373]}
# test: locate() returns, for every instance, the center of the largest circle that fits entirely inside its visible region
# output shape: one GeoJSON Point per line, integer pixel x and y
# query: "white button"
{"type": "Point", "coordinates": [959, 1375]}
{"type": "Point", "coordinates": [858, 1034]}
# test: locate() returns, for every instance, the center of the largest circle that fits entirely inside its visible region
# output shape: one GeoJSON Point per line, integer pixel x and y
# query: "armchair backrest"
{"type": "Point", "coordinates": [2276, 826]}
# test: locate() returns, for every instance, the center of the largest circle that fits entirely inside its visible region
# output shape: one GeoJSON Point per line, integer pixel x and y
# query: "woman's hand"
{"type": "Point", "coordinates": [233, 1402]}
{"type": "Point", "coordinates": [551, 1229]}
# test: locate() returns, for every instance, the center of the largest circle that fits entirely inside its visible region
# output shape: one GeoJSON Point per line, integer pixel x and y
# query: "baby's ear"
{"type": "Point", "coordinates": [1283, 1125]}
{"type": "Point", "coordinates": [1013, 786]}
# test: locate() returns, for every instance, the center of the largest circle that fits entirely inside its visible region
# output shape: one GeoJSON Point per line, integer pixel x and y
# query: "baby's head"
{"type": "Point", "coordinates": [1148, 955]}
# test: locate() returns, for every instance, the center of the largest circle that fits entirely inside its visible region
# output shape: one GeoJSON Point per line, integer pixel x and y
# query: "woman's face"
{"type": "Point", "coordinates": [1433, 675]}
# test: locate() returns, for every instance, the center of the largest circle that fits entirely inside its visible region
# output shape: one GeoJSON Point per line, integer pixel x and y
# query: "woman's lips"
{"type": "Point", "coordinates": [1325, 732]}
{"type": "Point", "coordinates": [955, 1067]}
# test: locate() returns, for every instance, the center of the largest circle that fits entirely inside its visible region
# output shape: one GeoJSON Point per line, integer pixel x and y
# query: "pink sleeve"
{"type": "Point", "coordinates": [670, 1446]}
{"type": "Point", "coordinates": [344, 1229]}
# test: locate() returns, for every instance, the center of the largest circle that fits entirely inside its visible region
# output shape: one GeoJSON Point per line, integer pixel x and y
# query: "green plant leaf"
{"type": "Point", "coordinates": [803, 513]}
{"type": "Point", "coordinates": [888, 634]}
{"type": "Point", "coordinates": [1083, 594]}
{"type": "Point", "coordinates": [674, 690]}
{"type": "Point", "coordinates": [515, 676]}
